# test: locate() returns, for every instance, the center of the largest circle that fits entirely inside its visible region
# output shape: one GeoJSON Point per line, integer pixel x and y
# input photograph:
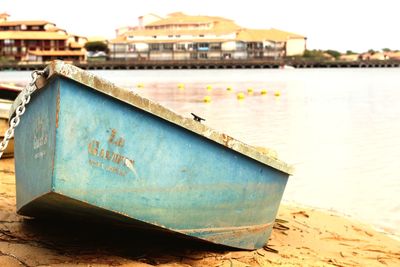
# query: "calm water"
{"type": "Point", "coordinates": [340, 128]}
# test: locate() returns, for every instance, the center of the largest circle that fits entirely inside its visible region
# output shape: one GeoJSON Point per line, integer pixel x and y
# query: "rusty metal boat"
{"type": "Point", "coordinates": [88, 149]}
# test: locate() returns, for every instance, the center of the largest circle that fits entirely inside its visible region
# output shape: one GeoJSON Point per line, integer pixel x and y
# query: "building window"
{"type": "Point", "coordinates": [180, 47]}
{"type": "Point", "coordinates": [203, 47]}
{"type": "Point", "coordinates": [132, 48]}
{"type": "Point", "coordinates": [8, 42]}
{"type": "Point", "coordinates": [178, 35]}
{"type": "Point", "coordinates": [154, 36]}
{"type": "Point", "coordinates": [155, 47]}
{"type": "Point", "coordinates": [170, 36]}
{"type": "Point", "coordinates": [203, 55]}
{"type": "Point", "coordinates": [168, 46]}
{"type": "Point", "coordinates": [215, 46]}
{"type": "Point", "coordinates": [201, 35]}
{"type": "Point", "coordinates": [120, 48]}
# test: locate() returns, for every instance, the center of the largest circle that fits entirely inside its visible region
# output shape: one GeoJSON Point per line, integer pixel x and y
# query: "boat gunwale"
{"type": "Point", "coordinates": [106, 87]}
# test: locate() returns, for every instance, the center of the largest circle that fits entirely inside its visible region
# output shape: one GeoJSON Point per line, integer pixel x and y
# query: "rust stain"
{"type": "Point", "coordinates": [247, 228]}
{"type": "Point", "coordinates": [227, 140]}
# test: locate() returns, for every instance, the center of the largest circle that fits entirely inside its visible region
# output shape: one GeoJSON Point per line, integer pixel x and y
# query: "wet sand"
{"type": "Point", "coordinates": [301, 237]}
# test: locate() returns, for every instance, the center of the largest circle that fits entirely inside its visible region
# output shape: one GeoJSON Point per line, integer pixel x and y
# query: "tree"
{"type": "Point", "coordinates": [386, 49]}
{"type": "Point", "coordinates": [371, 51]}
{"type": "Point", "coordinates": [313, 54]}
{"type": "Point", "coordinates": [96, 46]}
{"type": "Point", "coordinates": [333, 53]}
{"type": "Point", "coordinates": [349, 52]}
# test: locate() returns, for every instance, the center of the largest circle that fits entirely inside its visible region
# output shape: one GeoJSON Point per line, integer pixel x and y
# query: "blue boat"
{"type": "Point", "coordinates": [86, 148]}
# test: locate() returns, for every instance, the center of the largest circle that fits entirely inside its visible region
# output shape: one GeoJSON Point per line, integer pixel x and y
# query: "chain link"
{"type": "Point", "coordinates": [20, 110]}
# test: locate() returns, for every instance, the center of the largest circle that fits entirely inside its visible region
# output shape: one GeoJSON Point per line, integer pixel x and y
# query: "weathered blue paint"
{"type": "Point", "coordinates": [79, 143]}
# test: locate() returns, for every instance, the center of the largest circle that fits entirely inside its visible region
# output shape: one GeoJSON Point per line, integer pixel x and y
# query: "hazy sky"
{"type": "Point", "coordinates": [331, 24]}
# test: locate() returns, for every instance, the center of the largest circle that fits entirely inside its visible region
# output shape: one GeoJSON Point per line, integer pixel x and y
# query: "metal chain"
{"type": "Point", "coordinates": [20, 110]}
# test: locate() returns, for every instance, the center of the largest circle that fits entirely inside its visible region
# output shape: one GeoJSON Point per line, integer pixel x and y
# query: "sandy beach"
{"type": "Point", "coordinates": [301, 237]}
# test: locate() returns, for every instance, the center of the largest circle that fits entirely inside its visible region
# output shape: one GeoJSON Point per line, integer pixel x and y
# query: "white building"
{"type": "Point", "coordinates": [179, 36]}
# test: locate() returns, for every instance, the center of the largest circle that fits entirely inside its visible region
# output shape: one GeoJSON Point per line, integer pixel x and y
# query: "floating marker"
{"type": "Point", "coordinates": [140, 85]}
{"type": "Point", "coordinates": [207, 99]}
{"type": "Point", "coordinates": [181, 86]}
{"type": "Point", "coordinates": [229, 88]}
{"type": "Point", "coordinates": [209, 87]}
{"type": "Point", "coordinates": [240, 96]}
{"type": "Point", "coordinates": [250, 91]}
{"type": "Point", "coordinates": [264, 91]}
{"type": "Point", "coordinates": [277, 93]}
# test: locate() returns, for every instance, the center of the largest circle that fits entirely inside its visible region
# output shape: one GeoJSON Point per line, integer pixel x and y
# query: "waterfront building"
{"type": "Point", "coordinates": [374, 56]}
{"type": "Point", "coordinates": [350, 57]}
{"type": "Point", "coordinates": [38, 41]}
{"type": "Point", "coordinates": [182, 37]}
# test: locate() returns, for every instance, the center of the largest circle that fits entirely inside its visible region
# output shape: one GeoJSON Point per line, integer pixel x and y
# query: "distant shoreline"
{"type": "Point", "coordinates": [212, 64]}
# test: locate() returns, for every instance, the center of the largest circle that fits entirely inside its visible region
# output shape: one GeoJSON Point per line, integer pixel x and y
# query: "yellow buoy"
{"type": "Point", "coordinates": [240, 96]}
{"type": "Point", "coordinates": [264, 91]}
{"type": "Point", "coordinates": [229, 88]}
{"type": "Point", "coordinates": [207, 99]}
{"type": "Point", "coordinates": [250, 91]}
{"type": "Point", "coordinates": [277, 93]}
{"type": "Point", "coordinates": [209, 87]}
{"type": "Point", "coordinates": [140, 85]}
{"type": "Point", "coordinates": [181, 86]}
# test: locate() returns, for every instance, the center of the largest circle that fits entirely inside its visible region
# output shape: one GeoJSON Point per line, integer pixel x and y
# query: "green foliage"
{"type": "Point", "coordinates": [371, 51]}
{"type": "Point", "coordinates": [5, 60]}
{"type": "Point", "coordinates": [386, 49]}
{"type": "Point", "coordinates": [313, 54]}
{"type": "Point", "coordinates": [96, 46]}
{"type": "Point", "coordinates": [349, 52]}
{"type": "Point", "coordinates": [333, 53]}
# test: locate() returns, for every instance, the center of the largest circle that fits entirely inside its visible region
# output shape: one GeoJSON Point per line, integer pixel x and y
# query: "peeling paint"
{"type": "Point", "coordinates": [129, 165]}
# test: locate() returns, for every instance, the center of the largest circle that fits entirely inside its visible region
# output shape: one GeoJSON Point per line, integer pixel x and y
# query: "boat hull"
{"type": "Point", "coordinates": [123, 162]}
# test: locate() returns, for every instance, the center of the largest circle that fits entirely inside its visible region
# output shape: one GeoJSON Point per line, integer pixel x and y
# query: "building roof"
{"type": "Point", "coordinates": [178, 32]}
{"type": "Point", "coordinates": [172, 41]}
{"type": "Point", "coordinates": [75, 45]}
{"type": "Point", "coordinates": [57, 53]}
{"type": "Point", "coordinates": [32, 35]}
{"type": "Point", "coordinates": [55, 29]}
{"type": "Point", "coordinates": [151, 14]}
{"type": "Point", "coordinates": [96, 39]}
{"type": "Point", "coordinates": [25, 22]}
{"type": "Point", "coordinates": [167, 41]}
{"type": "Point", "coordinates": [255, 35]}
{"type": "Point", "coordinates": [179, 18]}
{"type": "Point", "coordinates": [119, 39]}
